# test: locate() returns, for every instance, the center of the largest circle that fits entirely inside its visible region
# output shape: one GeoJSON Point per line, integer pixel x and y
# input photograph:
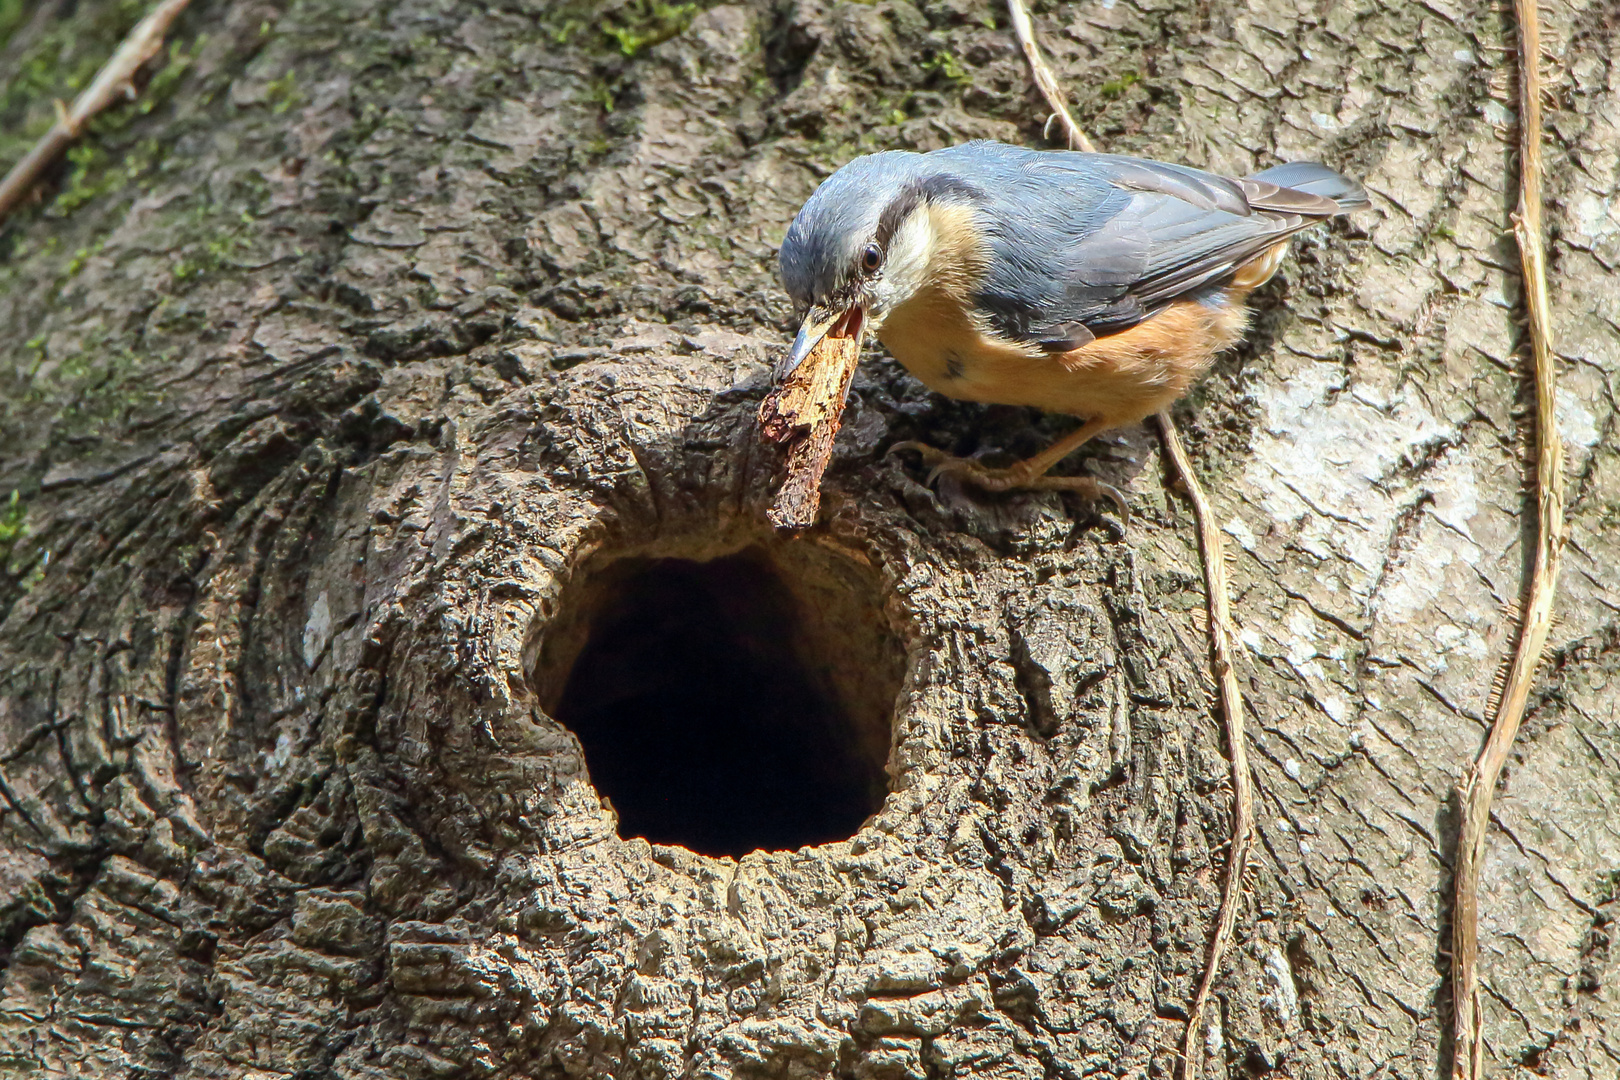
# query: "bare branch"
{"type": "Point", "coordinates": [114, 80]}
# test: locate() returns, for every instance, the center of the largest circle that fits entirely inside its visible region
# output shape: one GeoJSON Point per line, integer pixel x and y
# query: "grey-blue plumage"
{"type": "Point", "coordinates": [825, 237]}
{"type": "Point", "coordinates": [1090, 284]}
{"type": "Point", "coordinates": [1081, 245]}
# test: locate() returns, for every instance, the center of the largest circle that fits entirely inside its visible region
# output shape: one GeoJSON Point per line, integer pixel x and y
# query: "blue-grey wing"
{"type": "Point", "coordinates": [1084, 245]}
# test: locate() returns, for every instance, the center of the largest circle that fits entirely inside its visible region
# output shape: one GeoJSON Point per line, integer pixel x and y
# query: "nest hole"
{"type": "Point", "coordinates": [731, 703]}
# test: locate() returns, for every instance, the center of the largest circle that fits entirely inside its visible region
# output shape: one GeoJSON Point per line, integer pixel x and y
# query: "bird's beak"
{"type": "Point", "coordinates": [819, 323]}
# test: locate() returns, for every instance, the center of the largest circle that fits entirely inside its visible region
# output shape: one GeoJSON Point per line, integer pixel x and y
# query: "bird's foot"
{"type": "Point", "coordinates": [1018, 477]}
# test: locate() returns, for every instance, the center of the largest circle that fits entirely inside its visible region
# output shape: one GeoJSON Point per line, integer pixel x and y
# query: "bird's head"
{"type": "Point", "coordinates": [863, 245]}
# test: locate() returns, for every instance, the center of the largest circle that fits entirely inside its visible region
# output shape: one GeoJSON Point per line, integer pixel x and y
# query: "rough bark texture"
{"type": "Point", "coordinates": [336, 363]}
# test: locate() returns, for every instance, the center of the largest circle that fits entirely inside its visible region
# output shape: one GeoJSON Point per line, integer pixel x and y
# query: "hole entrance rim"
{"type": "Point", "coordinates": [849, 628]}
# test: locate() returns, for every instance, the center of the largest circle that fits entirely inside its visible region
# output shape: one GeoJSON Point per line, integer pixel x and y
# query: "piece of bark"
{"type": "Point", "coordinates": [805, 412]}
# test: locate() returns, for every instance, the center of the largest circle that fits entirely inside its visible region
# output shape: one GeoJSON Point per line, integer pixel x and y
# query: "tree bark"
{"type": "Point", "coordinates": [341, 363]}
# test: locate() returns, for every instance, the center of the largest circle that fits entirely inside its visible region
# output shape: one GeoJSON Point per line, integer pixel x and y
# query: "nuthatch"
{"type": "Point", "coordinates": [1090, 284]}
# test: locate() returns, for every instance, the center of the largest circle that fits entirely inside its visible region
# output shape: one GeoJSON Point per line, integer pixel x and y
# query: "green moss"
{"type": "Point", "coordinates": [11, 17]}
{"type": "Point", "coordinates": [167, 79]}
{"type": "Point", "coordinates": [92, 171]}
{"type": "Point", "coordinates": [99, 387]}
{"type": "Point", "coordinates": [80, 257]}
{"type": "Point", "coordinates": [173, 317]}
{"type": "Point", "coordinates": [601, 93]}
{"type": "Point", "coordinates": [13, 523]}
{"type": "Point", "coordinates": [625, 28]}
{"type": "Point", "coordinates": [1113, 88]}
{"type": "Point", "coordinates": [215, 240]}
{"type": "Point", "coordinates": [92, 175]}
{"type": "Point", "coordinates": [68, 55]}
{"type": "Point", "coordinates": [642, 24]}
{"type": "Point", "coordinates": [91, 384]}
{"type": "Point", "coordinates": [207, 257]}
{"type": "Point", "coordinates": [947, 67]}
{"type": "Point", "coordinates": [88, 165]}
{"type": "Point", "coordinates": [282, 94]}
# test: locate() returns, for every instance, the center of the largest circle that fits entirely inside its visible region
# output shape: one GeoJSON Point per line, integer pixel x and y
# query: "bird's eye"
{"type": "Point", "coordinates": [872, 257]}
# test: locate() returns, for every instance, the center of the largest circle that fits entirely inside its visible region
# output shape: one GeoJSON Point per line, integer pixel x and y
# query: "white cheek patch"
{"type": "Point", "coordinates": [905, 268]}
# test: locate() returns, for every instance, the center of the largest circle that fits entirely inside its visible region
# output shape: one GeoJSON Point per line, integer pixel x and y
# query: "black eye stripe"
{"type": "Point", "coordinates": [930, 188]}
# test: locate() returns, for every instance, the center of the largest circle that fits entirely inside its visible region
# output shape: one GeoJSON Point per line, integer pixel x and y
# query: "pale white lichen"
{"type": "Point", "coordinates": [1214, 1040]}
{"type": "Point", "coordinates": [1239, 530]}
{"type": "Point", "coordinates": [318, 630]}
{"type": "Point", "coordinates": [1576, 423]}
{"type": "Point", "coordinates": [1279, 991]}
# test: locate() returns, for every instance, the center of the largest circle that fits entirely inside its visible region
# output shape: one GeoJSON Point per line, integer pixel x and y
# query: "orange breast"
{"type": "Point", "coordinates": [1121, 378]}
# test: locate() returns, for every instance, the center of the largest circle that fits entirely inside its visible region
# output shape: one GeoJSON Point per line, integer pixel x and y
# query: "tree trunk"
{"type": "Point", "coordinates": [379, 393]}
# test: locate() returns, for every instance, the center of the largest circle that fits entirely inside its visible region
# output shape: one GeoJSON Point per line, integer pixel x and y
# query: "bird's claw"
{"type": "Point", "coordinates": [945, 463]}
{"type": "Point", "coordinates": [1087, 487]}
{"type": "Point", "coordinates": [1011, 479]}
{"type": "Point", "coordinates": [929, 453]}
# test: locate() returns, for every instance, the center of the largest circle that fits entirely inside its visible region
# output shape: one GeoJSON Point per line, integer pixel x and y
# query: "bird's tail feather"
{"type": "Point", "coordinates": [1314, 179]}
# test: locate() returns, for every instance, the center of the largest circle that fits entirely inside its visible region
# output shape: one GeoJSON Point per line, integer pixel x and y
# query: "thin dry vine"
{"type": "Point", "coordinates": [1045, 80]}
{"type": "Point", "coordinates": [1478, 788]}
{"type": "Point", "coordinates": [1213, 552]}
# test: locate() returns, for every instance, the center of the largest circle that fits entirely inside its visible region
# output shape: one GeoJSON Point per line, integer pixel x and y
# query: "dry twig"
{"type": "Point", "coordinates": [1479, 786]}
{"type": "Point", "coordinates": [1213, 551]}
{"type": "Point", "coordinates": [114, 80]}
{"type": "Point", "coordinates": [805, 411]}
{"type": "Point", "coordinates": [1044, 79]}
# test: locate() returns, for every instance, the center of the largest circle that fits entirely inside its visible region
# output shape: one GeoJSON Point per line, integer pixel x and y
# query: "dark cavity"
{"type": "Point", "coordinates": [732, 704]}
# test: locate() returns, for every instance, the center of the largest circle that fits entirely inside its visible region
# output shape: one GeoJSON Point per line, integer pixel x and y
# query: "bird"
{"type": "Point", "coordinates": [1095, 285]}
